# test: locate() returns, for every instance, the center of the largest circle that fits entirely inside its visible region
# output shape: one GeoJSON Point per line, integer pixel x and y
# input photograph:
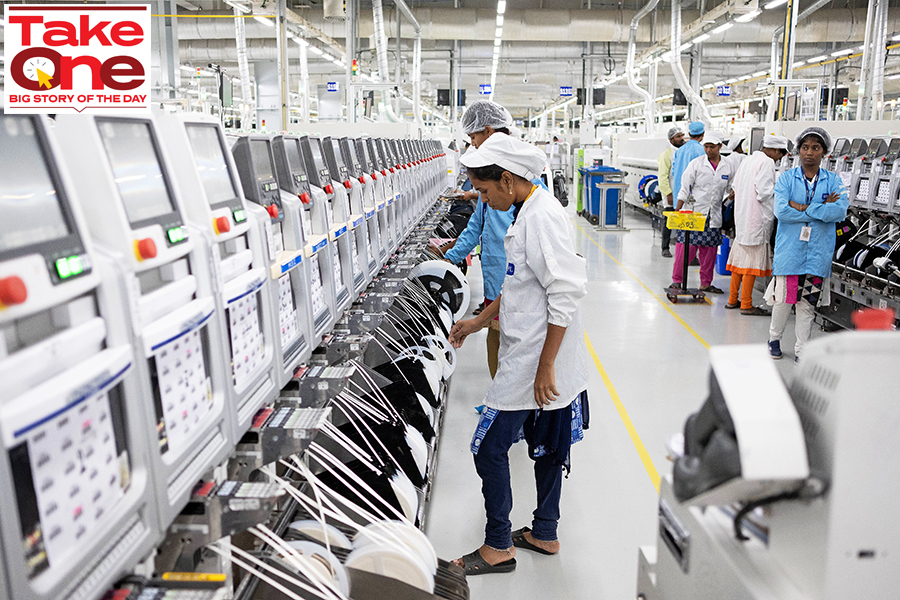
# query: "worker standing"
{"type": "Point", "coordinates": [706, 181]}
{"type": "Point", "coordinates": [808, 203]}
{"type": "Point", "coordinates": [688, 151]}
{"type": "Point", "coordinates": [735, 151]}
{"type": "Point", "coordinates": [754, 216]}
{"type": "Point", "coordinates": [664, 168]}
{"type": "Point", "coordinates": [486, 225]}
{"type": "Point", "coordinates": [540, 330]}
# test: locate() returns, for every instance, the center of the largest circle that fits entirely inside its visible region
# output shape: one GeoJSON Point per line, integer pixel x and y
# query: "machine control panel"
{"type": "Point", "coordinates": [254, 159]}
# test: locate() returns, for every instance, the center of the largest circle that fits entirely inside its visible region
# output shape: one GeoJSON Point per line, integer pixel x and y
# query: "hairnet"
{"type": "Point", "coordinates": [696, 128]}
{"type": "Point", "coordinates": [515, 156]}
{"type": "Point", "coordinates": [712, 137]}
{"type": "Point", "coordinates": [673, 131]}
{"type": "Point", "coordinates": [820, 133]}
{"type": "Point", "coordinates": [777, 142]}
{"type": "Point", "coordinates": [484, 113]}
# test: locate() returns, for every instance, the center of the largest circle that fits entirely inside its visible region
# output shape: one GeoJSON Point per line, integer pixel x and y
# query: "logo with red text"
{"type": "Point", "coordinates": [63, 58]}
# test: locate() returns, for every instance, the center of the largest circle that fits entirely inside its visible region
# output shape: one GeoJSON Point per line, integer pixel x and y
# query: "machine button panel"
{"type": "Point", "coordinates": [221, 225]}
{"type": "Point", "coordinates": [272, 209]}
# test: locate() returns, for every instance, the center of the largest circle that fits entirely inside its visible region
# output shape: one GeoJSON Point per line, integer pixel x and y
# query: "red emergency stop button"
{"type": "Point", "coordinates": [348, 185]}
{"type": "Point", "coordinates": [304, 198]}
{"type": "Point", "coordinates": [145, 249]}
{"type": "Point", "coordinates": [329, 189]}
{"type": "Point", "coordinates": [222, 225]}
{"type": "Point", "coordinates": [12, 291]}
{"type": "Point", "coordinates": [374, 177]}
{"type": "Point", "coordinates": [272, 209]}
{"type": "Point", "coordinates": [392, 169]}
{"type": "Point", "coordinates": [362, 180]}
{"type": "Point", "coordinates": [384, 172]}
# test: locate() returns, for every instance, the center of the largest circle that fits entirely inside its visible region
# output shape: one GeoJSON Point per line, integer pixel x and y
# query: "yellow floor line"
{"type": "Point", "coordinates": [664, 303]}
{"type": "Point", "coordinates": [623, 414]}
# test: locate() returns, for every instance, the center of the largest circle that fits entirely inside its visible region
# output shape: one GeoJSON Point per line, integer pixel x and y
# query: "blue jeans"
{"type": "Point", "coordinates": [492, 465]}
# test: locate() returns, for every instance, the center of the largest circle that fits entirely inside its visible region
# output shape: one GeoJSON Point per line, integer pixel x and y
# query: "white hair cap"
{"type": "Point", "coordinates": [712, 137]}
{"type": "Point", "coordinates": [777, 142]}
{"type": "Point", "coordinates": [515, 156]}
{"type": "Point", "coordinates": [484, 113]}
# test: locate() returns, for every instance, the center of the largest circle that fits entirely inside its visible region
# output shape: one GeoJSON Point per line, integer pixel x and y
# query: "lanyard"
{"type": "Point", "coordinates": [811, 192]}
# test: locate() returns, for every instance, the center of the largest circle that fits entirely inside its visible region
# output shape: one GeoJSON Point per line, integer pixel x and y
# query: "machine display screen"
{"type": "Point", "coordinates": [894, 149]}
{"type": "Point", "coordinates": [316, 149]}
{"type": "Point", "coordinates": [211, 166]}
{"type": "Point", "coordinates": [364, 159]}
{"type": "Point", "coordinates": [338, 157]}
{"type": "Point", "coordinates": [136, 169]}
{"type": "Point", "coordinates": [29, 206]}
{"type": "Point", "coordinates": [293, 156]}
{"type": "Point", "coordinates": [262, 162]}
{"type": "Point", "coordinates": [857, 148]}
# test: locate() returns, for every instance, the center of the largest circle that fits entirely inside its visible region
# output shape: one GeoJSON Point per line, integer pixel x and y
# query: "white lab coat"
{"type": "Point", "coordinates": [545, 281]}
{"type": "Point", "coordinates": [708, 187]}
{"type": "Point", "coordinates": [754, 200]}
{"type": "Point", "coordinates": [736, 159]}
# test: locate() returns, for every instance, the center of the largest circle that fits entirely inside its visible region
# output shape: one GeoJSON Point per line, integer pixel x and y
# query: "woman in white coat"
{"type": "Point", "coordinates": [754, 215]}
{"type": "Point", "coordinates": [540, 327]}
{"type": "Point", "coordinates": [704, 184]}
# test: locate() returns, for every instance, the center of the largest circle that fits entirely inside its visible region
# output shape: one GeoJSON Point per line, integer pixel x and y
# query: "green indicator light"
{"type": "Point", "coordinates": [62, 268]}
{"type": "Point", "coordinates": [239, 216]}
{"type": "Point", "coordinates": [176, 235]}
{"type": "Point", "coordinates": [75, 265]}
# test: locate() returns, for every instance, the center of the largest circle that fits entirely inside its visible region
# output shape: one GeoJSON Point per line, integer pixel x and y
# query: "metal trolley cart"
{"type": "Point", "coordinates": [687, 221]}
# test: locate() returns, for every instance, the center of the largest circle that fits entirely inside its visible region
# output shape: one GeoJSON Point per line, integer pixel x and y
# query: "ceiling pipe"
{"type": "Point", "coordinates": [876, 101]}
{"type": "Point", "coordinates": [417, 60]}
{"type": "Point", "coordinates": [649, 104]}
{"type": "Point", "coordinates": [240, 36]}
{"type": "Point", "coordinates": [675, 60]}
{"type": "Point", "coordinates": [862, 105]}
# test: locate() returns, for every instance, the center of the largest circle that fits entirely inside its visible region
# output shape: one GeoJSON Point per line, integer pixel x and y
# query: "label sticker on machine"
{"type": "Point", "coordinates": [70, 470]}
{"type": "Point", "coordinates": [247, 343]}
{"type": "Point", "coordinates": [287, 311]}
{"type": "Point", "coordinates": [182, 389]}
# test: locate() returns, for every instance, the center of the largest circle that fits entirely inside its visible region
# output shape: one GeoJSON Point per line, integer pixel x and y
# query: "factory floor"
{"type": "Point", "coordinates": [651, 371]}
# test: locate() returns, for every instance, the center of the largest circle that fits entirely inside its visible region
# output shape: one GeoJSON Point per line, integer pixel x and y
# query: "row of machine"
{"type": "Point", "coordinates": [180, 308]}
{"type": "Point", "coordinates": [866, 264]}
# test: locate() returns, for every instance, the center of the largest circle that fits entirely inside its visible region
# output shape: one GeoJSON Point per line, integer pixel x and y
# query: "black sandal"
{"type": "Point", "coordinates": [711, 289]}
{"type": "Point", "coordinates": [475, 564]}
{"type": "Point", "coordinates": [520, 541]}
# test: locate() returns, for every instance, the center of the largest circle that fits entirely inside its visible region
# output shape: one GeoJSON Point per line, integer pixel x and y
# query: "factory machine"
{"type": "Point", "coordinates": [245, 302]}
{"type": "Point", "coordinates": [365, 151]}
{"type": "Point", "coordinates": [125, 183]}
{"type": "Point", "coordinates": [392, 187]}
{"type": "Point", "coordinates": [366, 186]}
{"type": "Point", "coordinates": [785, 492]}
{"type": "Point", "coordinates": [288, 273]}
{"type": "Point", "coordinates": [847, 167]}
{"type": "Point", "coordinates": [336, 215]}
{"type": "Point", "coordinates": [406, 190]}
{"type": "Point", "coordinates": [75, 481]}
{"type": "Point", "coordinates": [348, 192]}
{"type": "Point", "coordinates": [863, 169]}
{"type": "Point", "coordinates": [838, 151]}
{"type": "Point", "coordinates": [882, 186]}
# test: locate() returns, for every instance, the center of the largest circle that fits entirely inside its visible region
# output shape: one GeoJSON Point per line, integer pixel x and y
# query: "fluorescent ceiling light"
{"type": "Point", "coordinates": [315, 50]}
{"type": "Point", "coordinates": [895, 38]}
{"type": "Point", "coordinates": [499, 20]}
{"type": "Point", "coordinates": [897, 76]}
{"type": "Point", "coordinates": [700, 38]}
{"type": "Point", "coordinates": [644, 65]}
{"type": "Point", "coordinates": [501, 7]}
{"type": "Point", "coordinates": [301, 41]}
{"type": "Point", "coordinates": [499, 32]}
{"type": "Point", "coordinates": [816, 59]}
{"type": "Point", "coordinates": [759, 73]}
{"type": "Point", "coordinates": [497, 41]}
{"type": "Point", "coordinates": [718, 83]}
{"type": "Point", "coordinates": [843, 52]}
{"type": "Point", "coordinates": [723, 27]}
{"type": "Point", "coordinates": [774, 4]}
{"type": "Point", "coordinates": [187, 68]}
{"type": "Point", "coordinates": [264, 20]}
{"type": "Point", "coordinates": [686, 46]}
{"type": "Point", "coordinates": [748, 17]}
{"type": "Point", "coordinates": [861, 48]}
{"type": "Point", "coordinates": [731, 80]}
{"type": "Point", "coordinates": [797, 64]}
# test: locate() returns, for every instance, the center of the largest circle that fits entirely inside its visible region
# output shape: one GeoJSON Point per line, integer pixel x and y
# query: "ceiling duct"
{"type": "Point", "coordinates": [335, 10]}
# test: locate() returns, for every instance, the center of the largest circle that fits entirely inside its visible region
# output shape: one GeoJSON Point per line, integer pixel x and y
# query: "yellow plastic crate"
{"type": "Point", "coordinates": [688, 221]}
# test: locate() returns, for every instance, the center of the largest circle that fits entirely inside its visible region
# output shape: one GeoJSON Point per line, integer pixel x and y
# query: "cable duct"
{"type": "Point", "coordinates": [381, 55]}
{"type": "Point", "coordinates": [675, 60]}
{"type": "Point", "coordinates": [240, 36]}
{"type": "Point", "coordinates": [649, 103]}
{"type": "Point", "coordinates": [417, 60]}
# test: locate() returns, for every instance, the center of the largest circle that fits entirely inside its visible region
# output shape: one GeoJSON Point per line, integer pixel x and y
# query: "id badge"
{"type": "Point", "coordinates": [805, 232]}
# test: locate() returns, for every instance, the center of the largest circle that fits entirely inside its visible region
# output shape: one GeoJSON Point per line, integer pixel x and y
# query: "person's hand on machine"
{"type": "Point", "coordinates": [463, 329]}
